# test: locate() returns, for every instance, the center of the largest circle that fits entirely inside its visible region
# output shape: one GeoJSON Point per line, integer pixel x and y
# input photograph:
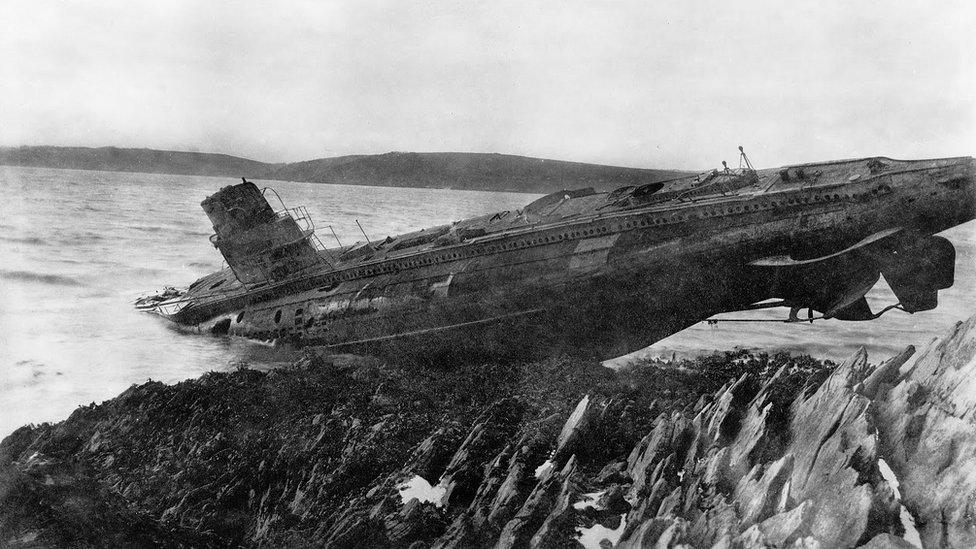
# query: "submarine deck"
{"type": "Point", "coordinates": [675, 198]}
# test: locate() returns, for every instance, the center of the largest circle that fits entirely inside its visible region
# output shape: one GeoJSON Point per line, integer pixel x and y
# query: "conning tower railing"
{"type": "Point", "coordinates": [262, 245]}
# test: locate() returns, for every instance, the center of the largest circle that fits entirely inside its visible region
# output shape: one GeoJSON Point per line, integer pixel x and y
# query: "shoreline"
{"type": "Point", "coordinates": [555, 452]}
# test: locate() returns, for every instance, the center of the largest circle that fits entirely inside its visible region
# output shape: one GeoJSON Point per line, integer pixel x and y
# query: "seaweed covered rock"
{"type": "Point", "coordinates": [50, 503]}
{"type": "Point", "coordinates": [304, 455]}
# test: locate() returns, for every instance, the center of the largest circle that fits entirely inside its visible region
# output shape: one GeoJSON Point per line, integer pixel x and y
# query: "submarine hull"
{"type": "Point", "coordinates": [591, 274]}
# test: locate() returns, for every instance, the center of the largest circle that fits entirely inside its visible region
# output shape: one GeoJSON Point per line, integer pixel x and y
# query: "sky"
{"type": "Point", "coordinates": [632, 83]}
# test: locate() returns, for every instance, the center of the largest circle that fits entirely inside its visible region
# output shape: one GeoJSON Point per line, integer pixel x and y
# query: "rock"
{"type": "Point", "coordinates": [613, 500]}
{"type": "Point", "coordinates": [886, 374]}
{"type": "Point", "coordinates": [644, 459]}
{"type": "Point", "coordinates": [415, 522]}
{"type": "Point", "coordinates": [78, 513]}
{"type": "Point", "coordinates": [432, 455]}
{"type": "Point", "coordinates": [514, 488]}
{"type": "Point", "coordinates": [496, 500]}
{"type": "Point", "coordinates": [927, 424]}
{"type": "Point", "coordinates": [764, 492]}
{"type": "Point", "coordinates": [887, 541]}
{"type": "Point", "coordinates": [657, 532]}
{"type": "Point", "coordinates": [353, 530]}
{"type": "Point", "coordinates": [798, 469]}
{"type": "Point", "coordinates": [614, 472]}
{"type": "Point", "coordinates": [558, 526]}
{"type": "Point", "coordinates": [489, 435]}
{"type": "Point", "coordinates": [784, 528]}
{"type": "Point", "coordinates": [717, 523]}
{"type": "Point", "coordinates": [730, 451]}
{"type": "Point", "coordinates": [578, 433]}
{"type": "Point", "coordinates": [537, 507]}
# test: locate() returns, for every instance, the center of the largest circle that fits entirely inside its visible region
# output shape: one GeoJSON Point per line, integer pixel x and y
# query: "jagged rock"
{"type": "Point", "coordinates": [432, 455]}
{"type": "Point", "coordinates": [557, 526]}
{"type": "Point", "coordinates": [613, 500]}
{"type": "Point", "coordinates": [717, 523]}
{"type": "Point", "coordinates": [886, 374]}
{"type": "Point", "coordinates": [670, 503]}
{"type": "Point", "coordinates": [416, 521]}
{"type": "Point", "coordinates": [514, 488]}
{"type": "Point", "coordinates": [536, 509]}
{"type": "Point", "coordinates": [499, 489]}
{"type": "Point", "coordinates": [783, 454]}
{"type": "Point", "coordinates": [657, 532]}
{"type": "Point", "coordinates": [614, 472]}
{"type": "Point", "coordinates": [55, 505]}
{"type": "Point", "coordinates": [646, 508]}
{"type": "Point", "coordinates": [644, 459]}
{"type": "Point", "coordinates": [353, 530]}
{"type": "Point", "coordinates": [717, 475]}
{"type": "Point", "coordinates": [887, 541]}
{"type": "Point", "coordinates": [582, 418]}
{"type": "Point", "coordinates": [927, 423]}
{"type": "Point", "coordinates": [463, 474]}
{"type": "Point", "coordinates": [784, 528]}
{"type": "Point", "coordinates": [803, 470]}
{"type": "Point", "coordinates": [764, 493]}
{"type": "Point", "coordinates": [506, 482]}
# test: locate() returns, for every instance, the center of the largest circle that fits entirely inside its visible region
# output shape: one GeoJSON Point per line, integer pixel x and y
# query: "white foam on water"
{"type": "Point", "coordinates": [589, 500]}
{"type": "Point", "coordinates": [418, 487]}
{"type": "Point", "coordinates": [591, 537]}
{"type": "Point", "coordinates": [907, 520]}
{"type": "Point", "coordinates": [544, 468]}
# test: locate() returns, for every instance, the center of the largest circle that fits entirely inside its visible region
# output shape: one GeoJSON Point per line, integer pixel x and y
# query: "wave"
{"type": "Point", "coordinates": [149, 228]}
{"type": "Point", "coordinates": [32, 240]}
{"type": "Point", "coordinates": [144, 271]}
{"type": "Point", "coordinates": [84, 238]}
{"type": "Point", "coordinates": [42, 278]}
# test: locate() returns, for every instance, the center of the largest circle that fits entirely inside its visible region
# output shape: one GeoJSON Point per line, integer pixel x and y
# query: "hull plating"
{"type": "Point", "coordinates": [587, 274]}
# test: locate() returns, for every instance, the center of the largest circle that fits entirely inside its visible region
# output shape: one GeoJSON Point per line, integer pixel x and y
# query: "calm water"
{"type": "Point", "coordinates": [77, 247]}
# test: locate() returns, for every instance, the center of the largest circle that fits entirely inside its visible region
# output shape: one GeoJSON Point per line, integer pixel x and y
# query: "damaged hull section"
{"type": "Point", "coordinates": [585, 273]}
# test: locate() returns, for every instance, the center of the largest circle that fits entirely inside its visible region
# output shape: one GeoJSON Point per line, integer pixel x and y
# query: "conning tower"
{"type": "Point", "coordinates": [260, 245]}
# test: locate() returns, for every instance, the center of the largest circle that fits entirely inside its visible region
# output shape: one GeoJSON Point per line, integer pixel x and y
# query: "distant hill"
{"type": "Point", "coordinates": [475, 171]}
{"type": "Point", "coordinates": [478, 171]}
{"type": "Point", "coordinates": [112, 159]}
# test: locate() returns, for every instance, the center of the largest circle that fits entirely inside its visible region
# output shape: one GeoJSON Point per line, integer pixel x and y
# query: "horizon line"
{"type": "Point", "coordinates": [90, 147]}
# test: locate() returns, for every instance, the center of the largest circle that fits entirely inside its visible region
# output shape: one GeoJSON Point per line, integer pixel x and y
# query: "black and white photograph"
{"type": "Point", "coordinates": [450, 274]}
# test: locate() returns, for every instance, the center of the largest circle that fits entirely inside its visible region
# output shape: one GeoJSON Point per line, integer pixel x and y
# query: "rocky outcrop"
{"type": "Point", "coordinates": [768, 464]}
{"type": "Point", "coordinates": [50, 503]}
{"type": "Point", "coordinates": [729, 451]}
{"type": "Point", "coordinates": [925, 415]}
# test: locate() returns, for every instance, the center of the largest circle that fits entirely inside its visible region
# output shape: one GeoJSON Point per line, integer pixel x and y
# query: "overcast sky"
{"type": "Point", "coordinates": [679, 84]}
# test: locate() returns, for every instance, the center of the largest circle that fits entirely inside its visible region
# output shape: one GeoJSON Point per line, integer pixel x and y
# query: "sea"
{"type": "Point", "coordinates": [78, 247]}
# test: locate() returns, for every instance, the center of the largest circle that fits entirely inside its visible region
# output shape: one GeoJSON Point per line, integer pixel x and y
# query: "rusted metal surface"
{"type": "Point", "coordinates": [597, 274]}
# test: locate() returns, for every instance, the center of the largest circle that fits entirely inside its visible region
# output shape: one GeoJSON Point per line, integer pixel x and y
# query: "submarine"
{"type": "Point", "coordinates": [586, 273]}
